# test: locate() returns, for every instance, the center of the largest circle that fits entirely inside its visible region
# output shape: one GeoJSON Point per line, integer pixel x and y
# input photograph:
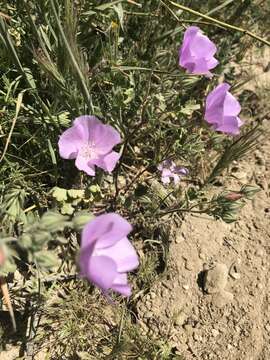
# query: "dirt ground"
{"type": "Point", "coordinates": [233, 320]}
{"type": "Point", "coordinates": [215, 303]}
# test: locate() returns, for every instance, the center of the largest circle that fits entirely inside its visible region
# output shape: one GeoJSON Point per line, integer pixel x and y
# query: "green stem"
{"type": "Point", "coordinates": [221, 23]}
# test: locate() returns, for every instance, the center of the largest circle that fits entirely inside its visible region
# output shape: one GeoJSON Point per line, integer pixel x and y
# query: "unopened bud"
{"type": "Point", "coordinates": [233, 196]}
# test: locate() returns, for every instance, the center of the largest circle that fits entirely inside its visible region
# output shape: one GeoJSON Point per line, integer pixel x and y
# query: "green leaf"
{"type": "Point", "coordinates": [52, 153]}
{"type": "Point", "coordinates": [67, 209]}
{"type": "Point", "coordinates": [94, 189]}
{"type": "Point", "coordinates": [75, 194]}
{"type": "Point", "coordinates": [53, 221]}
{"type": "Point", "coordinates": [81, 218]}
{"type": "Point", "coordinates": [46, 259]}
{"type": "Point", "coordinates": [189, 108]}
{"type": "Point", "coordinates": [120, 13]}
{"type": "Point", "coordinates": [59, 194]}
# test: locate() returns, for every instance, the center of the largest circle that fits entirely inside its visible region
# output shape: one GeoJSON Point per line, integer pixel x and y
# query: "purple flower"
{"type": "Point", "coordinates": [170, 170]}
{"type": "Point", "coordinates": [197, 52]}
{"type": "Point", "coordinates": [106, 253]}
{"type": "Point", "coordinates": [90, 142]}
{"type": "Point", "coordinates": [222, 109]}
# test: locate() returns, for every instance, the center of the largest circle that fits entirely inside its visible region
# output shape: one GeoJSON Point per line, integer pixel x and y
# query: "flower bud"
{"type": "Point", "coordinates": [233, 196]}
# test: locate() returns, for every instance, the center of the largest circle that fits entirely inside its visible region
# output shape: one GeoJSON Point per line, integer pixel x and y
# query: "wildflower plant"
{"type": "Point", "coordinates": [100, 84]}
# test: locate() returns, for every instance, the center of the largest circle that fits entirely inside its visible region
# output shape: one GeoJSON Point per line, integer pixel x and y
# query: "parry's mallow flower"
{"type": "Point", "coordinates": [171, 171]}
{"type": "Point", "coordinates": [197, 52]}
{"type": "Point", "coordinates": [222, 110]}
{"type": "Point", "coordinates": [106, 253]}
{"type": "Point", "coordinates": [90, 142]}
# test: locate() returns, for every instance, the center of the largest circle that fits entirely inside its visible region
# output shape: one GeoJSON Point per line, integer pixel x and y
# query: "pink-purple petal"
{"type": "Point", "coordinates": [123, 253]}
{"type": "Point", "coordinates": [217, 96]}
{"type": "Point", "coordinates": [231, 105]}
{"type": "Point", "coordinates": [69, 143]}
{"type": "Point", "coordinates": [222, 109]}
{"type": "Point", "coordinates": [107, 229]}
{"type": "Point", "coordinates": [124, 290]}
{"type": "Point", "coordinates": [84, 164]}
{"type": "Point", "coordinates": [102, 271]}
{"type": "Point", "coordinates": [202, 47]}
{"type": "Point", "coordinates": [105, 137]}
{"type": "Point", "coordinates": [105, 255]}
{"type": "Point", "coordinates": [230, 125]}
{"type": "Point", "coordinates": [197, 52]}
{"type": "Point", "coordinates": [120, 285]}
{"type": "Point", "coordinates": [85, 125]}
{"type": "Point", "coordinates": [90, 142]}
{"type": "Point", "coordinates": [108, 162]}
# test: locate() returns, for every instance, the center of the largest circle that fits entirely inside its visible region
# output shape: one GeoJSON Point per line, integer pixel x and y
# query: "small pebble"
{"type": "Point", "coordinates": [216, 279]}
{"type": "Point", "coordinates": [259, 252]}
{"type": "Point", "coordinates": [222, 298]}
{"type": "Point", "coordinates": [215, 332]}
{"type": "Point", "coordinates": [267, 327]}
{"type": "Point", "coordinates": [185, 286]}
{"type": "Point", "coordinates": [179, 239]}
{"type": "Point", "coordinates": [188, 265]}
{"type": "Point", "coordinates": [188, 328]}
{"type": "Point", "coordinates": [180, 319]}
{"type": "Point", "coordinates": [197, 337]}
{"type": "Point", "coordinates": [148, 314]}
{"type": "Point", "coordinates": [234, 272]}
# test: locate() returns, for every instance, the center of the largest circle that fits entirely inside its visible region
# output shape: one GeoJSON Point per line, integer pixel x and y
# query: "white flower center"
{"type": "Point", "coordinates": [87, 150]}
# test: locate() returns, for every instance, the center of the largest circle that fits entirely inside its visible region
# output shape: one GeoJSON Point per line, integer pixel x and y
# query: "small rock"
{"type": "Point", "coordinates": [241, 175]}
{"type": "Point", "coordinates": [148, 315]}
{"type": "Point", "coordinates": [216, 279]}
{"type": "Point", "coordinates": [148, 305]}
{"type": "Point", "coordinates": [234, 272]}
{"type": "Point", "coordinates": [201, 255]}
{"type": "Point", "coordinates": [259, 252]}
{"type": "Point", "coordinates": [143, 326]}
{"type": "Point", "coordinates": [197, 337]}
{"type": "Point", "coordinates": [188, 328]}
{"type": "Point", "coordinates": [179, 239]}
{"type": "Point", "coordinates": [188, 265]}
{"type": "Point", "coordinates": [260, 286]}
{"type": "Point", "coordinates": [185, 286]}
{"type": "Point", "coordinates": [152, 295]}
{"type": "Point", "coordinates": [180, 319]}
{"type": "Point", "coordinates": [267, 327]}
{"type": "Point", "coordinates": [222, 298]}
{"type": "Point", "coordinates": [215, 332]}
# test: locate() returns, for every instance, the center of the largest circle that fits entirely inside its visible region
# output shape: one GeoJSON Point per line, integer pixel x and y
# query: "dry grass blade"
{"type": "Point", "coordinates": [18, 107]}
{"type": "Point", "coordinates": [4, 288]}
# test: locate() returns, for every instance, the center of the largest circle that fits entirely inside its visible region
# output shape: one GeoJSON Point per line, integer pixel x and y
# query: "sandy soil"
{"type": "Point", "coordinates": [231, 320]}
